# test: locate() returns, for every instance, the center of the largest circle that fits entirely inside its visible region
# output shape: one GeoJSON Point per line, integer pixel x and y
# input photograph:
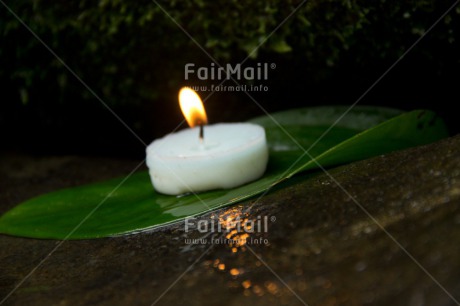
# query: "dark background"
{"type": "Point", "coordinates": [132, 55]}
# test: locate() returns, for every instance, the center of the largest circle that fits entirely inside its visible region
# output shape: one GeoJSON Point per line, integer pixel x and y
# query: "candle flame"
{"type": "Point", "coordinates": [192, 107]}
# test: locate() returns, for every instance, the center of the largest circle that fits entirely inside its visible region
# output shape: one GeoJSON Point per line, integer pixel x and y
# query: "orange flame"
{"type": "Point", "coordinates": [192, 107]}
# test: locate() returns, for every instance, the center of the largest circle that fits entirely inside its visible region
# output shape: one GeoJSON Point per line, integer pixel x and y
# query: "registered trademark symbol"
{"type": "Point", "coordinates": [272, 65]}
{"type": "Point", "coordinates": [273, 218]}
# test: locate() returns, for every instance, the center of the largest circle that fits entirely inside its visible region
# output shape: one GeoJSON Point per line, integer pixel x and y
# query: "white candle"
{"type": "Point", "coordinates": [229, 155]}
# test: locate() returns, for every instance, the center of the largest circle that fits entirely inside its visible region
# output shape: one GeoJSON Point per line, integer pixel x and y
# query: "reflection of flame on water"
{"type": "Point", "coordinates": [239, 240]}
{"type": "Point", "coordinates": [237, 236]}
{"type": "Point", "coordinates": [234, 272]}
{"type": "Point", "coordinates": [231, 220]}
{"type": "Point", "coordinates": [246, 284]}
{"type": "Point", "coordinates": [234, 223]}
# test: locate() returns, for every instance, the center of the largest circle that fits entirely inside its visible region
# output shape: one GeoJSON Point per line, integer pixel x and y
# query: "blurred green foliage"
{"type": "Point", "coordinates": [131, 51]}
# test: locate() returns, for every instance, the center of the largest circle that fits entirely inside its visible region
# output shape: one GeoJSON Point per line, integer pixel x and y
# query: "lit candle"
{"type": "Point", "coordinates": [218, 156]}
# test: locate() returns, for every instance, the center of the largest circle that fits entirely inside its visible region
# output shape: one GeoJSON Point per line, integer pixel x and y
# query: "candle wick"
{"type": "Point", "coordinates": [201, 133]}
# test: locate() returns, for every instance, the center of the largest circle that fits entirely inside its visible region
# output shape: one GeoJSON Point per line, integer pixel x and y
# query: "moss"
{"type": "Point", "coordinates": [124, 49]}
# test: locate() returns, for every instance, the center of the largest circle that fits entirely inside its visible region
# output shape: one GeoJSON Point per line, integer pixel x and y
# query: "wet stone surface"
{"type": "Point", "coordinates": [395, 242]}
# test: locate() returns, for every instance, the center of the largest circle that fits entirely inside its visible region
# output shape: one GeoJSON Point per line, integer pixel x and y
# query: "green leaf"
{"type": "Point", "coordinates": [120, 206]}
